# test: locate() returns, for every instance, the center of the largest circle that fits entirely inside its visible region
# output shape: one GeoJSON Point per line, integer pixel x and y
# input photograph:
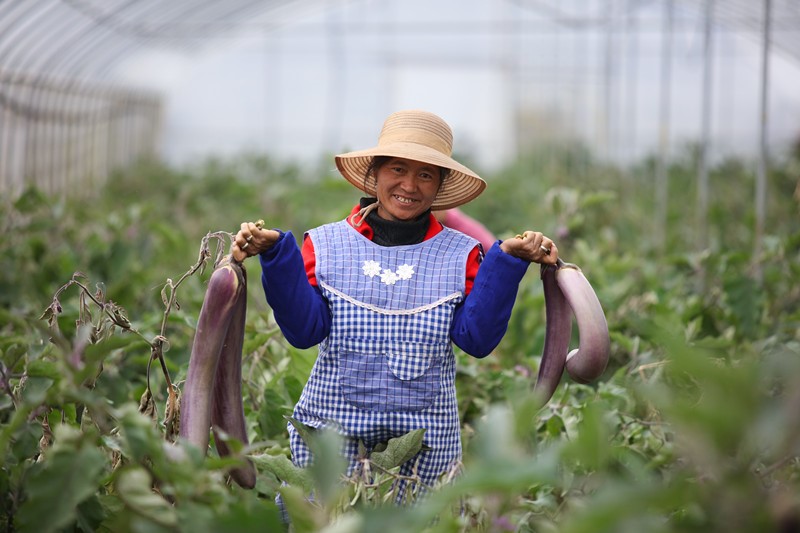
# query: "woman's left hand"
{"type": "Point", "coordinates": [532, 246]}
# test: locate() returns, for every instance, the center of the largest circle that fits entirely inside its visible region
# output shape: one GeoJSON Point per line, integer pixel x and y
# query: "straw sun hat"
{"type": "Point", "coordinates": [420, 136]}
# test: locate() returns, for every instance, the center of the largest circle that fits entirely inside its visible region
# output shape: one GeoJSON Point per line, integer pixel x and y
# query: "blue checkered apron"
{"type": "Point", "coordinates": [387, 366]}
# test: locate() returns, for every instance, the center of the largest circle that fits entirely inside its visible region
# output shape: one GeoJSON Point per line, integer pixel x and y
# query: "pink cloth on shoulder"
{"type": "Point", "coordinates": [459, 221]}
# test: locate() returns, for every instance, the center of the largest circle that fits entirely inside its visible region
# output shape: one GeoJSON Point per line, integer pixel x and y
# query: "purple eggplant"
{"type": "Point", "coordinates": [558, 330]}
{"type": "Point", "coordinates": [219, 304]}
{"type": "Point", "coordinates": [588, 362]}
{"type": "Point", "coordinates": [228, 410]}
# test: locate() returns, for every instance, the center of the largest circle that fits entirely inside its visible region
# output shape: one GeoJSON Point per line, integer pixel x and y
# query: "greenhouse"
{"type": "Point", "coordinates": [652, 145]}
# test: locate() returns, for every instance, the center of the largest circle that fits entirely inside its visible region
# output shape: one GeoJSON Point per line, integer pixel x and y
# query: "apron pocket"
{"type": "Point", "coordinates": [390, 376]}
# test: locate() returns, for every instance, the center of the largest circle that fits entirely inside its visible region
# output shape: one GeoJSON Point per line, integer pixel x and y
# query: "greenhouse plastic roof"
{"type": "Point", "coordinates": [86, 39]}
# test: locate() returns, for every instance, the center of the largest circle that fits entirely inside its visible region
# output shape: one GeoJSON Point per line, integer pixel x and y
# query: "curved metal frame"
{"type": "Point", "coordinates": [59, 122]}
{"type": "Point", "coordinates": [59, 105]}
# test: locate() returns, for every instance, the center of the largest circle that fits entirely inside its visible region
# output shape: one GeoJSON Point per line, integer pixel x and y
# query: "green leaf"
{"type": "Point", "coordinates": [196, 517]}
{"type": "Point", "coordinates": [30, 200]}
{"type": "Point", "coordinates": [15, 348]}
{"type": "Point", "coordinates": [69, 475]}
{"type": "Point", "coordinates": [380, 447]}
{"type": "Point", "coordinates": [328, 465]}
{"type": "Point", "coordinates": [301, 512]}
{"type": "Point", "coordinates": [399, 450]}
{"type": "Point", "coordinates": [95, 354]}
{"type": "Point", "coordinates": [133, 486]}
{"type": "Point", "coordinates": [590, 448]}
{"type": "Point", "coordinates": [306, 432]}
{"type": "Point", "coordinates": [597, 198]}
{"type": "Point", "coordinates": [271, 419]}
{"type": "Point", "coordinates": [25, 443]}
{"type": "Point", "coordinates": [294, 387]}
{"type": "Point", "coordinates": [744, 294]}
{"type": "Point", "coordinates": [70, 411]}
{"type": "Point", "coordinates": [139, 435]}
{"type": "Point", "coordinates": [494, 440]}
{"type": "Point", "coordinates": [244, 518]}
{"type": "Point", "coordinates": [44, 369]}
{"type": "Point", "coordinates": [285, 470]}
{"type": "Point", "coordinates": [555, 426]}
{"type": "Point", "coordinates": [91, 514]}
{"type": "Point", "coordinates": [234, 445]}
{"type": "Point", "coordinates": [35, 391]}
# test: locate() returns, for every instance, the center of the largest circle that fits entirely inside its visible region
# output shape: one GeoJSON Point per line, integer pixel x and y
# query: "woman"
{"type": "Point", "coordinates": [388, 291]}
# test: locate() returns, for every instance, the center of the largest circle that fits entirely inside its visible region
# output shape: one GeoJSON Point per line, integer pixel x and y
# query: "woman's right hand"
{"type": "Point", "coordinates": [252, 239]}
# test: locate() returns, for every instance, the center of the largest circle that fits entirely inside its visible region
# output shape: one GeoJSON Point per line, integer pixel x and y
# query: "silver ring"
{"type": "Point", "coordinates": [245, 246]}
{"type": "Point", "coordinates": [545, 250]}
{"type": "Point", "coordinates": [249, 238]}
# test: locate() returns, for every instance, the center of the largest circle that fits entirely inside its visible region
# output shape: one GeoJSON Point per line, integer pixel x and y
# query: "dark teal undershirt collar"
{"type": "Point", "coordinates": [393, 232]}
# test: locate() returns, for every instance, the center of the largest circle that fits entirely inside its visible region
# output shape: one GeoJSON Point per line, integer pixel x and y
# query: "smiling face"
{"type": "Point", "coordinates": [406, 188]}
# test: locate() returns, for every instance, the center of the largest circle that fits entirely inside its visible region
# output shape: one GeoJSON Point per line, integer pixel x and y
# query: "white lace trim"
{"type": "Point", "coordinates": [426, 307]}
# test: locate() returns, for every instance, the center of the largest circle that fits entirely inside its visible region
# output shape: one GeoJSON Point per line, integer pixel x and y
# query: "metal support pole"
{"type": "Point", "coordinates": [702, 163]}
{"type": "Point", "coordinates": [608, 74]}
{"type": "Point", "coordinates": [6, 131]}
{"type": "Point", "coordinates": [632, 85]}
{"type": "Point", "coordinates": [761, 177]}
{"type": "Point", "coordinates": [337, 73]}
{"type": "Point", "coordinates": [662, 189]}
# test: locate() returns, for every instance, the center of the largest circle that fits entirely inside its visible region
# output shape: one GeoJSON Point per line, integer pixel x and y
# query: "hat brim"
{"type": "Point", "coordinates": [460, 186]}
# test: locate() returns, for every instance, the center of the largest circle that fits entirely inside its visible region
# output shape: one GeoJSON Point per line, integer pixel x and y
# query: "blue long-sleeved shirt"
{"type": "Point", "coordinates": [302, 313]}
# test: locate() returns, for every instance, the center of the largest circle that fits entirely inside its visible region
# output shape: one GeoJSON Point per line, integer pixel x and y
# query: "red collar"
{"type": "Point", "coordinates": [364, 228]}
